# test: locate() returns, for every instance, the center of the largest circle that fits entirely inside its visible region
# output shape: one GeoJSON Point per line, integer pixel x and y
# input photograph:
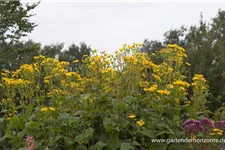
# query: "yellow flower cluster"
{"type": "Point", "coordinates": [47, 79]}
{"type": "Point", "coordinates": [140, 123]}
{"type": "Point", "coordinates": [198, 77]}
{"type": "Point", "coordinates": [44, 109]}
{"type": "Point", "coordinates": [57, 92]}
{"type": "Point", "coordinates": [76, 61]}
{"type": "Point", "coordinates": [199, 82]}
{"type": "Point", "coordinates": [174, 46]}
{"type": "Point", "coordinates": [73, 74]}
{"type": "Point", "coordinates": [156, 77]}
{"type": "Point", "coordinates": [130, 59]}
{"type": "Point", "coordinates": [124, 74]}
{"type": "Point", "coordinates": [132, 116]}
{"type": "Point", "coordinates": [27, 67]}
{"type": "Point", "coordinates": [152, 88]}
{"type": "Point", "coordinates": [170, 86]}
{"type": "Point", "coordinates": [163, 92]}
{"type": "Point", "coordinates": [132, 47]}
{"type": "Point", "coordinates": [15, 82]}
{"type": "Point", "coordinates": [10, 115]}
{"type": "Point", "coordinates": [181, 83]}
{"type": "Point", "coordinates": [216, 131]}
{"type": "Point", "coordinates": [40, 57]}
{"type": "Point", "coordinates": [173, 53]}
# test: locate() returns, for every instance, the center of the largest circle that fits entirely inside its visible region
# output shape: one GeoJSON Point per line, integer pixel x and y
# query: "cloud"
{"type": "Point", "coordinates": [106, 26]}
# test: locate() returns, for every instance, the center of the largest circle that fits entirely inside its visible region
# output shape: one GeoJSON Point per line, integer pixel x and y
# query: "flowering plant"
{"type": "Point", "coordinates": [113, 101]}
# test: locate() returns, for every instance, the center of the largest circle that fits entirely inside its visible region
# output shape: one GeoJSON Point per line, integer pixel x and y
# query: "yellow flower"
{"type": "Point", "coordinates": [170, 86]}
{"type": "Point", "coordinates": [27, 67]}
{"type": "Point", "coordinates": [122, 49]}
{"type": "Point", "coordinates": [64, 63]}
{"type": "Point", "coordinates": [132, 116]}
{"type": "Point", "coordinates": [170, 69]}
{"type": "Point", "coordinates": [166, 92]}
{"type": "Point", "coordinates": [52, 108]}
{"type": "Point", "coordinates": [176, 47]}
{"type": "Point", "coordinates": [182, 83]}
{"type": "Point", "coordinates": [216, 131]}
{"type": "Point", "coordinates": [39, 57]}
{"type": "Point", "coordinates": [199, 77]}
{"type": "Point", "coordinates": [139, 44]}
{"type": "Point", "coordinates": [140, 123]}
{"type": "Point", "coordinates": [44, 109]}
{"type": "Point", "coordinates": [152, 88]}
{"type": "Point", "coordinates": [131, 47]}
{"type": "Point", "coordinates": [46, 81]}
{"type": "Point", "coordinates": [85, 55]}
{"type": "Point", "coordinates": [156, 77]}
{"type": "Point", "coordinates": [92, 63]}
{"type": "Point", "coordinates": [182, 88]}
{"type": "Point", "coordinates": [75, 61]}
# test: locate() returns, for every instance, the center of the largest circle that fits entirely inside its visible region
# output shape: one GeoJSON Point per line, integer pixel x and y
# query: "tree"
{"type": "Point", "coordinates": [52, 51]}
{"type": "Point", "coordinates": [14, 55]}
{"type": "Point", "coordinates": [75, 53]}
{"type": "Point", "coordinates": [175, 36]}
{"type": "Point", "coordinates": [14, 18]}
{"type": "Point", "coordinates": [151, 46]}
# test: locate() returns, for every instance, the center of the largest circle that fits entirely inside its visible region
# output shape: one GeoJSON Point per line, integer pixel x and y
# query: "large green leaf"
{"type": "Point", "coordinates": [89, 132]}
{"type": "Point", "coordinates": [113, 144]}
{"type": "Point", "coordinates": [148, 133]}
{"type": "Point", "coordinates": [22, 133]}
{"type": "Point", "coordinates": [72, 119]}
{"type": "Point", "coordinates": [63, 116]}
{"type": "Point", "coordinates": [108, 123]}
{"type": "Point", "coordinates": [136, 143]}
{"type": "Point", "coordinates": [57, 138]}
{"type": "Point", "coordinates": [14, 120]}
{"type": "Point", "coordinates": [126, 146]}
{"type": "Point", "coordinates": [80, 137]}
{"type": "Point", "coordinates": [166, 129]}
{"type": "Point", "coordinates": [69, 140]}
{"type": "Point", "coordinates": [123, 122]}
{"type": "Point", "coordinates": [98, 146]}
{"type": "Point", "coordinates": [81, 147]}
{"type": "Point", "coordinates": [158, 146]}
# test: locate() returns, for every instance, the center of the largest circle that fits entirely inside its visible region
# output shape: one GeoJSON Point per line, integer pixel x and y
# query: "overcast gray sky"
{"type": "Point", "coordinates": [106, 26]}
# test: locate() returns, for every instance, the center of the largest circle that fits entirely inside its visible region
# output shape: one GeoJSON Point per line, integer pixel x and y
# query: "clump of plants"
{"type": "Point", "coordinates": [118, 101]}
